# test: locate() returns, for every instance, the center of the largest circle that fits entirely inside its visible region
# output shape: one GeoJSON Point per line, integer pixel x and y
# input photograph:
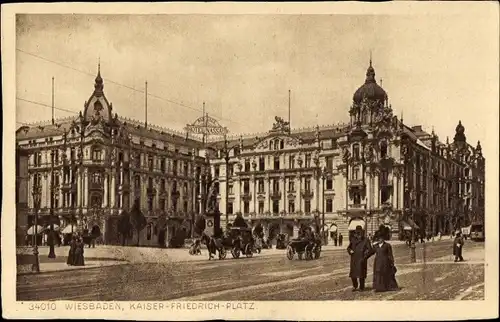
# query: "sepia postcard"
{"type": "Point", "coordinates": [250, 161]}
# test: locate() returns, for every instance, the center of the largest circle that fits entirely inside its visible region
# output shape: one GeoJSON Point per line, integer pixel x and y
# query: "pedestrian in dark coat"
{"type": "Point", "coordinates": [360, 250]}
{"type": "Point", "coordinates": [71, 253]}
{"type": "Point", "coordinates": [79, 248]}
{"type": "Point", "coordinates": [340, 239]}
{"type": "Point", "coordinates": [335, 239]}
{"type": "Point", "coordinates": [458, 244]}
{"type": "Point", "coordinates": [384, 270]}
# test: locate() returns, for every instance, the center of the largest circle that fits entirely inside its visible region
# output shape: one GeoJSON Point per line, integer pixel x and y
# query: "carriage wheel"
{"type": "Point", "coordinates": [235, 252]}
{"type": "Point", "coordinates": [248, 251]}
{"type": "Point", "coordinates": [289, 252]}
{"type": "Point", "coordinates": [317, 253]}
{"type": "Point", "coordinates": [222, 253]}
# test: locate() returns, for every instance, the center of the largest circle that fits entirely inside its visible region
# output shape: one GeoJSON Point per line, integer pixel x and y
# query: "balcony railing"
{"type": "Point", "coordinates": [356, 183]}
{"type": "Point", "coordinates": [275, 194]}
{"type": "Point", "coordinates": [307, 194]}
{"type": "Point", "coordinates": [246, 196]}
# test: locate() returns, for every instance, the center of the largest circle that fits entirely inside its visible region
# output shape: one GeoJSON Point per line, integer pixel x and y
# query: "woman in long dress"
{"type": "Point", "coordinates": [384, 270]}
{"type": "Point", "coordinates": [71, 253]}
{"type": "Point", "coordinates": [79, 261]}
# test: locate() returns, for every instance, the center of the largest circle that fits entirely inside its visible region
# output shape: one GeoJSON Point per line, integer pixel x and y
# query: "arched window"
{"type": "Point", "coordinates": [355, 151]}
{"type": "Point", "coordinates": [383, 149]}
{"type": "Point", "coordinates": [355, 173]}
{"type": "Point", "coordinates": [282, 144]}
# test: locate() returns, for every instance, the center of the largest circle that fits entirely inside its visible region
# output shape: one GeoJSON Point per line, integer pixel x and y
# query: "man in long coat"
{"type": "Point", "coordinates": [458, 243]}
{"type": "Point", "coordinates": [360, 250]}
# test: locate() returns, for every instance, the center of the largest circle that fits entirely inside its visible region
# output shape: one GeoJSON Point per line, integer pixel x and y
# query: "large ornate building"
{"type": "Point", "coordinates": [91, 167]}
{"type": "Point", "coordinates": [372, 170]}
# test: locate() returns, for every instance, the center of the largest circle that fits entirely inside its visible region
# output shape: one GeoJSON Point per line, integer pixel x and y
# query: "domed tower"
{"type": "Point", "coordinates": [459, 140]}
{"type": "Point", "coordinates": [368, 100]}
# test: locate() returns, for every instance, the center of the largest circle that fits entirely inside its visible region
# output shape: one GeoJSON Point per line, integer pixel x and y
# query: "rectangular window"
{"type": "Point", "coordinates": [308, 161]}
{"type": "Point", "coordinates": [247, 165]}
{"type": "Point", "coordinates": [291, 185]}
{"type": "Point", "coordinates": [216, 171]}
{"type": "Point", "coordinates": [246, 186]}
{"type": "Point", "coordinates": [307, 206]}
{"type": "Point", "coordinates": [230, 189]}
{"type": "Point", "coordinates": [276, 206]}
{"type": "Point", "coordinates": [276, 163]}
{"type": "Point", "coordinates": [261, 207]}
{"type": "Point", "coordinates": [246, 207]}
{"type": "Point", "coordinates": [276, 185]}
{"type": "Point", "coordinates": [329, 163]}
{"type": "Point", "coordinates": [329, 205]}
{"type": "Point", "coordinates": [329, 184]}
{"type": "Point", "coordinates": [291, 162]}
{"type": "Point", "coordinates": [291, 206]}
{"type": "Point", "coordinates": [307, 184]}
{"type": "Point", "coordinates": [261, 186]}
{"type": "Point", "coordinates": [229, 208]}
{"type": "Point", "coordinates": [261, 164]}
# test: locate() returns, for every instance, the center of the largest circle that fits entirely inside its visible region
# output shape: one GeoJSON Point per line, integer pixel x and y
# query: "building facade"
{"type": "Point", "coordinates": [93, 166]}
{"type": "Point", "coordinates": [374, 170]}
{"type": "Point", "coordinates": [22, 190]}
{"type": "Point", "coordinates": [369, 171]}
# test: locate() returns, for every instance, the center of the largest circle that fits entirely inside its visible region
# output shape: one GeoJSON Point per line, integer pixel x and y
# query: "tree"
{"type": "Point", "coordinates": [124, 226]}
{"type": "Point", "coordinates": [239, 222]}
{"type": "Point", "coordinates": [137, 220]}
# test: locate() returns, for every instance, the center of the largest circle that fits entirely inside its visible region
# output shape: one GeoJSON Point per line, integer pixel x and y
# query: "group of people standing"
{"type": "Point", "coordinates": [75, 254]}
{"type": "Point", "coordinates": [361, 249]}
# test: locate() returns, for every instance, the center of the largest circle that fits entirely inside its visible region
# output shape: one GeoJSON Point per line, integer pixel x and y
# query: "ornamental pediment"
{"type": "Point", "coordinates": [278, 142]}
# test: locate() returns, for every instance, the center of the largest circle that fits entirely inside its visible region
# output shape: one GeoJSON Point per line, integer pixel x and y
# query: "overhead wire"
{"type": "Point", "coordinates": [119, 84]}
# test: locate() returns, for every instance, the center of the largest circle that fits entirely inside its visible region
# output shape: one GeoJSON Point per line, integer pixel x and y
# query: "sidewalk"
{"type": "Point", "coordinates": [105, 255]}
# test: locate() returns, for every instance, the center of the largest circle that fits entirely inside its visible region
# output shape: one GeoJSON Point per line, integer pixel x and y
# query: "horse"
{"type": "Point", "coordinates": [214, 245]}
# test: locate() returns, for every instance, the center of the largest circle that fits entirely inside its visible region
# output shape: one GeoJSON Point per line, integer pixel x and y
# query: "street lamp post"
{"type": "Point", "coordinates": [324, 174]}
{"type": "Point", "coordinates": [226, 151]}
{"type": "Point", "coordinates": [52, 253]}
{"type": "Point", "coordinates": [413, 255]}
{"type": "Point", "coordinates": [36, 205]}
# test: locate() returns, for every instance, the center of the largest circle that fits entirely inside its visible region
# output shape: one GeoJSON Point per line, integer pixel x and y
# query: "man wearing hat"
{"type": "Point", "coordinates": [457, 247]}
{"type": "Point", "coordinates": [360, 250]}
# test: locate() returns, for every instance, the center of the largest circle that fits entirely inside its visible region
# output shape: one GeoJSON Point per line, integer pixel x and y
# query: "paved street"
{"type": "Point", "coordinates": [266, 278]}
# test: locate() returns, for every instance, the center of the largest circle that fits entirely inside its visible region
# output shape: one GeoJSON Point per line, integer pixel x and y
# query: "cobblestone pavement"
{"type": "Point", "coordinates": [266, 277]}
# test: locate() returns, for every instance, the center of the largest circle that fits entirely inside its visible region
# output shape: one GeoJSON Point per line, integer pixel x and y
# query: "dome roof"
{"type": "Point", "coordinates": [370, 89]}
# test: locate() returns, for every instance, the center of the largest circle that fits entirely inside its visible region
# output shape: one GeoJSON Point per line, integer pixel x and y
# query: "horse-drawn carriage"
{"type": "Point", "coordinates": [238, 241]}
{"type": "Point", "coordinates": [243, 242]}
{"type": "Point", "coordinates": [311, 248]}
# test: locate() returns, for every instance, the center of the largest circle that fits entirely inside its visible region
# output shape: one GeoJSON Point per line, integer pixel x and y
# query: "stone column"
{"type": "Point", "coordinates": [376, 191]}
{"type": "Point", "coordinates": [267, 204]}
{"type": "Point", "coordinates": [106, 191]}
{"type": "Point", "coordinates": [237, 195]}
{"type": "Point", "coordinates": [297, 193]}
{"type": "Point", "coordinates": [85, 188]}
{"type": "Point", "coordinates": [113, 189]}
{"type": "Point", "coordinates": [79, 188]}
{"type": "Point", "coordinates": [252, 194]}
{"type": "Point", "coordinates": [283, 191]}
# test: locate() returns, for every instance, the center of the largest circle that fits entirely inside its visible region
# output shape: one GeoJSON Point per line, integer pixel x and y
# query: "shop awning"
{"type": "Point", "coordinates": [56, 227]}
{"type": "Point", "coordinates": [67, 229]}
{"type": "Point", "coordinates": [39, 230]}
{"type": "Point", "coordinates": [333, 228]}
{"type": "Point", "coordinates": [356, 222]}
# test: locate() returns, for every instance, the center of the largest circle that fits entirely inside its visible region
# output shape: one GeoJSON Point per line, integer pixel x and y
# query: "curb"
{"type": "Point", "coordinates": [83, 268]}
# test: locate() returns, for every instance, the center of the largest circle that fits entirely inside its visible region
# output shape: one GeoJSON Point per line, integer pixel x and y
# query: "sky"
{"type": "Point", "coordinates": [436, 69]}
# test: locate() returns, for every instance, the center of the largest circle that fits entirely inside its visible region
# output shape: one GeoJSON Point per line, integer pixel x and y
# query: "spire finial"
{"type": "Point", "coordinates": [370, 58]}
{"type": "Point", "coordinates": [99, 65]}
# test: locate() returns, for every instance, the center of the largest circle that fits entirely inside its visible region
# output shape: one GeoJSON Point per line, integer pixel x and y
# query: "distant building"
{"type": "Point", "coordinates": [22, 188]}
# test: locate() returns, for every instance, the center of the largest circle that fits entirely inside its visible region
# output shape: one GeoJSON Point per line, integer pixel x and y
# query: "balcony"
{"type": "Point", "coordinates": [96, 186]}
{"type": "Point", "coordinates": [307, 194]}
{"type": "Point", "coordinates": [356, 183]}
{"type": "Point", "coordinates": [275, 195]}
{"type": "Point", "coordinates": [356, 209]}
